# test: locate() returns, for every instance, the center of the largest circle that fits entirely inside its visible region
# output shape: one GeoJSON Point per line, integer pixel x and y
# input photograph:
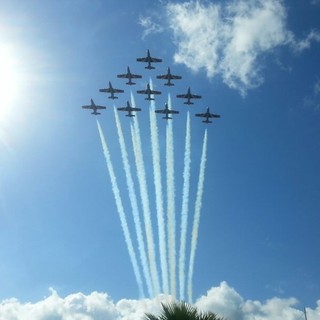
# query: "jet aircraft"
{"type": "Point", "coordinates": [129, 109]}
{"type": "Point", "coordinates": [129, 76]}
{"type": "Point", "coordinates": [207, 115]}
{"type": "Point", "coordinates": [188, 96]}
{"type": "Point", "coordinates": [94, 107]}
{"type": "Point", "coordinates": [169, 76]}
{"type": "Point", "coordinates": [149, 92]}
{"type": "Point", "coordinates": [112, 91]}
{"type": "Point", "coordinates": [167, 111]}
{"type": "Point", "coordinates": [149, 59]}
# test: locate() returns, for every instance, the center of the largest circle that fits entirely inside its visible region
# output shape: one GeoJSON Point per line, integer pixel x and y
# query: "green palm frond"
{"type": "Point", "coordinates": [181, 311]}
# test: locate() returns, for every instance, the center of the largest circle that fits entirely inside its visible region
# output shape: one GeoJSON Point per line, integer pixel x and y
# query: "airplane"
{"type": "Point", "coordinates": [149, 92]}
{"type": "Point", "coordinates": [112, 91]}
{"type": "Point", "coordinates": [207, 115]}
{"type": "Point", "coordinates": [188, 96]}
{"type": "Point", "coordinates": [167, 111]}
{"type": "Point", "coordinates": [129, 76]}
{"type": "Point", "coordinates": [129, 109]}
{"type": "Point", "coordinates": [169, 76]}
{"type": "Point", "coordinates": [149, 59]}
{"type": "Point", "coordinates": [94, 107]}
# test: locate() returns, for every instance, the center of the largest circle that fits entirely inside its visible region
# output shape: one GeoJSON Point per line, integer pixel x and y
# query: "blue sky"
{"type": "Point", "coordinates": [254, 63]}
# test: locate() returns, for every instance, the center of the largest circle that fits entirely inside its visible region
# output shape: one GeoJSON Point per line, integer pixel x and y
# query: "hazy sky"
{"type": "Point", "coordinates": [256, 63]}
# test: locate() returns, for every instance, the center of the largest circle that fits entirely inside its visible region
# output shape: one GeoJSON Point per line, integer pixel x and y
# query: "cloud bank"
{"type": "Point", "coordinates": [231, 40]}
{"type": "Point", "coordinates": [223, 300]}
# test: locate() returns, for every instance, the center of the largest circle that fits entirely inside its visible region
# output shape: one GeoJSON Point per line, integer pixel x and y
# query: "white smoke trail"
{"type": "Point", "coordinates": [158, 192]}
{"type": "Point", "coordinates": [196, 220]}
{"type": "Point", "coordinates": [171, 204]}
{"type": "Point", "coordinates": [122, 216]}
{"type": "Point", "coordinates": [134, 205]}
{"type": "Point", "coordinates": [136, 142]}
{"type": "Point", "coordinates": [184, 209]}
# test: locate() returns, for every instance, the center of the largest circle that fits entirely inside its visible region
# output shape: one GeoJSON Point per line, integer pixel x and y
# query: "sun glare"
{"type": "Point", "coordinates": [8, 78]}
{"type": "Point", "coordinates": [9, 87]}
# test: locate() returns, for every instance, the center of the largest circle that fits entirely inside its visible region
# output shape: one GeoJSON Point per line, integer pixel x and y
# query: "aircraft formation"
{"type": "Point", "coordinates": [150, 93]}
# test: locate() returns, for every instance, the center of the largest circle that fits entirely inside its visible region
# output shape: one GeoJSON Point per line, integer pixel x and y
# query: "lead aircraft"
{"type": "Point", "coordinates": [169, 76]}
{"type": "Point", "coordinates": [149, 59]}
{"type": "Point", "coordinates": [129, 76]}
{"type": "Point", "coordinates": [94, 107]}
{"type": "Point", "coordinates": [207, 115]}
{"type": "Point", "coordinates": [188, 96]}
{"type": "Point", "coordinates": [166, 111]}
{"type": "Point", "coordinates": [149, 92]}
{"type": "Point", "coordinates": [112, 91]}
{"type": "Point", "coordinates": [129, 109]}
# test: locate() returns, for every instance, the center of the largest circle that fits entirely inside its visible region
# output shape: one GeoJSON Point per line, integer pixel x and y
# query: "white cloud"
{"type": "Point", "coordinates": [231, 40]}
{"type": "Point", "coordinates": [223, 300]}
{"type": "Point", "coordinates": [315, 2]}
{"type": "Point", "coordinates": [300, 45]}
{"type": "Point", "coordinates": [313, 99]}
{"type": "Point", "coordinates": [149, 26]}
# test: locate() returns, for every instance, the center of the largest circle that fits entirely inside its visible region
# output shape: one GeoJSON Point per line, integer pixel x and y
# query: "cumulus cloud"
{"type": "Point", "coordinates": [223, 300]}
{"type": "Point", "coordinates": [231, 40]}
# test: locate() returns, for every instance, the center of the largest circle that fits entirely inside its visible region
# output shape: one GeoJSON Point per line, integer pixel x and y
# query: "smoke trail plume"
{"type": "Point", "coordinates": [184, 210]}
{"type": "Point", "coordinates": [171, 204]}
{"type": "Point", "coordinates": [122, 216]}
{"type": "Point", "coordinates": [136, 142]}
{"type": "Point", "coordinates": [134, 205]}
{"type": "Point", "coordinates": [158, 192]}
{"type": "Point", "coordinates": [196, 220]}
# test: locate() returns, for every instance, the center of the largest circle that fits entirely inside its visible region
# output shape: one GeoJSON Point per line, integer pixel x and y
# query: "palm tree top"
{"type": "Point", "coordinates": [181, 311]}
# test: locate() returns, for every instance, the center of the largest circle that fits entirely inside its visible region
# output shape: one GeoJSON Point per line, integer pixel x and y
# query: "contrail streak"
{"type": "Point", "coordinates": [196, 220]}
{"type": "Point", "coordinates": [136, 142]}
{"type": "Point", "coordinates": [134, 204]}
{"type": "Point", "coordinates": [158, 192]}
{"type": "Point", "coordinates": [122, 216]}
{"type": "Point", "coordinates": [171, 204]}
{"type": "Point", "coordinates": [184, 209]}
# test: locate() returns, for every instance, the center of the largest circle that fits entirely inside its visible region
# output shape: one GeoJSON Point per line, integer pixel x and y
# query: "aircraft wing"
{"type": "Point", "coordinates": [194, 96]}
{"type": "Point", "coordinates": [204, 115]}
{"type": "Point", "coordinates": [118, 90]}
{"type": "Point", "coordinates": [163, 76]}
{"type": "Point", "coordinates": [143, 91]}
{"type": "Point", "coordinates": [175, 77]}
{"type": "Point", "coordinates": [142, 59]}
{"type": "Point", "coordinates": [207, 115]}
{"type": "Point", "coordinates": [214, 115]}
{"type": "Point", "coordinates": [108, 90]}
{"type": "Point", "coordinates": [182, 96]}
{"type": "Point", "coordinates": [93, 107]}
{"type": "Point", "coordinates": [155, 92]}
{"type": "Point", "coordinates": [166, 111]}
{"type": "Point", "coordinates": [169, 76]}
{"type": "Point", "coordinates": [161, 111]}
{"type": "Point", "coordinates": [123, 75]}
{"type": "Point", "coordinates": [149, 59]}
{"type": "Point", "coordinates": [136, 76]}
{"type": "Point", "coordinates": [100, 107]}
{"type": "Point", "coordinates": [105, 90]}
{"type": "Point", "coordinates": [173, 111]}
{"type": "Point", "coordinates": [128, 109]}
